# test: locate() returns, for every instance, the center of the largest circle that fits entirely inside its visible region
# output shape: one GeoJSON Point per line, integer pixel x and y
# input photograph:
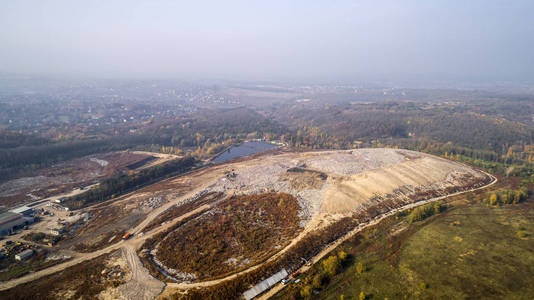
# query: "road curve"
{"type": "Point", "coordinates": [138, 240]}
{"type": "Point", "coordinates": [275, 289]}
{"type": "Point", "coordinates": [81, 257]}
{"type": "Point", "coordinates": [331, 246]}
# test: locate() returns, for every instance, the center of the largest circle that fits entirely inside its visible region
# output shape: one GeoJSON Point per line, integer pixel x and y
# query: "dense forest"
{"type": "Point", "coordinates": [341, 125]}
{"type": "Point", "coordinates": [10, 139]}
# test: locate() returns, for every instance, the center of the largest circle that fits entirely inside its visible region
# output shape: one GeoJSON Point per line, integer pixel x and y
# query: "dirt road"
{"type": "Point", "coordinates": [141, 278]}
{"type": "Point", "coordinates": [275, 289]}
{"type": "Point", "coordinates": [59, 267]}
{"type": "Point", "coordinates": [142, 286]}
{"type": "Point", "coordinates": [160, 158]}
{"type": "Point", "coordinates": [133, 243]}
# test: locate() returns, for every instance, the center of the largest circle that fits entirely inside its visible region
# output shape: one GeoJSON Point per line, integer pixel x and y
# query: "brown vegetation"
{"type": "Point", "coordinates": [291, 260]}
{"type": "Point", "coordinates": [178, 210]}
{"type": "Point", "coordinates": [236, 233]}
{"type": "Point", "coordinates": [81, 281]}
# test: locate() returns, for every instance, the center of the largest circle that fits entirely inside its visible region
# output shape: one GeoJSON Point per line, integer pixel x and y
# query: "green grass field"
{"type": "Point", "coordinates": [470, 251]}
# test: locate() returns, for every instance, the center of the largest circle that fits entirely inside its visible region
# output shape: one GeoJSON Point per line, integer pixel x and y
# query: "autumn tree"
{"type": "Point", "coordinates": [493, 199]}
{"type": "Point", "coordinates": [342, 255]}
{"type": "Point", "coordinates": [332, 265]}
{"type": "Point", "coordinates": [306, 292]}
{"type": "Point", "coordinates": [359, 268]}
{"type": "Point", "coordinates": [316, 281]}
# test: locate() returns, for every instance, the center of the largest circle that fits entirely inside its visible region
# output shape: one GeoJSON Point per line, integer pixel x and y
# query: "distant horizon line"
{"type": "Point", "coordinates": [415, 81]}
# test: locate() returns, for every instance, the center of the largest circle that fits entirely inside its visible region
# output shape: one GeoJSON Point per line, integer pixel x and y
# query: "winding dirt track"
{"type": "Point", "coordinates": [134, 242]}
{"type": "Point", "coordinates": [142, 286]}
{"type": "Point", "coordinates": [275, 289]}
{"type": "Point", "coordinates": [141, 278]}
{"type": "Point", "coordinates": [329, 248]}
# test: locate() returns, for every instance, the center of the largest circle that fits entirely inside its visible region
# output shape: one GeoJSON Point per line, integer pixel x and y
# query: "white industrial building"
{"type": "Point", "coordinates": [24, 254]}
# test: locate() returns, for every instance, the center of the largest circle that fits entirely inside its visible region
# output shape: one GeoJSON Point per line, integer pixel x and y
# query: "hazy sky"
{"type": "Point", "coordinates": [270, 39]}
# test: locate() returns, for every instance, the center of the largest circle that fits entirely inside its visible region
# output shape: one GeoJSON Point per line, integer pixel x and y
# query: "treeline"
{"type": "Point", "coordinates": [422, 212]}
{"type": "Point", "coordinates": [10, 139]}
{"type": "Point", "coordinates": [507, 197]}
{"type": "Point", "coordinates": [340, 125]}
{"type": "Point", "coordinates": [205, 132]}
{"type": "Point", "coordinates": [513, 163]}
{"type": "Point", "coordinates": [211, 127]}
{"type": "Point", "coordinates": [330, 266]}
{"type": "Point", "coordinates": [210, 131]}
{"type": "Point", "coordinates": [112, 187]}
{"type": "Point", "coordinates": [27, 158]}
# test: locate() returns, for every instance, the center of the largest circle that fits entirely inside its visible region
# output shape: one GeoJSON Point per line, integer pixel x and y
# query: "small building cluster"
{"type": "Point", "coordinates": [14, 219]}
{"type": "Point", "coordinates": [18, 251]}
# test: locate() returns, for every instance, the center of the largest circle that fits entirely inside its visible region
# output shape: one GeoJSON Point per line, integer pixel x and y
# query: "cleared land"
{"type": "Point", "coordinates": [67, 175]}
{"type": "Point", "coordinates": [327, 187]}
{"type": "Point", "coordinates": [88, 280]}
{"type": "Point", "coordinates": [245, 225]}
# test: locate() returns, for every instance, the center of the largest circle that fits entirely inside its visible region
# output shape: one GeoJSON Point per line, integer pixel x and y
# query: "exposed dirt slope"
{"type": "Point", "coordinates": [333, 182]}
{"type": "Point", "coordinates": [404, 181]}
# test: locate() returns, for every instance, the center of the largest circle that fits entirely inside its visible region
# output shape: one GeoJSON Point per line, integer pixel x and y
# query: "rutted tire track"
{"type": "Point", "coordinates": [142, 286]}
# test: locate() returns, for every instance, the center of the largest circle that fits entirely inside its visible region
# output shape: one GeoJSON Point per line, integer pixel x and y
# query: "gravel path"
{"type": "Point", "coordinates": [142, 286]}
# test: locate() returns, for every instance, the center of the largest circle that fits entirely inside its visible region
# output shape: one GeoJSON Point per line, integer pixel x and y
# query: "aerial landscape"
{"type": "Point", "coordinates": [239, 150]}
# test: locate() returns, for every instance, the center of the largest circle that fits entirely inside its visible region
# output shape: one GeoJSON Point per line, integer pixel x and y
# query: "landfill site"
{"type": "Point", "coordinates": [218, 223]}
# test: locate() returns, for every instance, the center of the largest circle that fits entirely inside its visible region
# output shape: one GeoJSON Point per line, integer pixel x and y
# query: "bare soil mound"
{"type": "Point", "coordinates": [406, 181]}
{"type": "Point", "coordinates": [333, 182]}
{"type": "Point", "coordinates": [300, 178]}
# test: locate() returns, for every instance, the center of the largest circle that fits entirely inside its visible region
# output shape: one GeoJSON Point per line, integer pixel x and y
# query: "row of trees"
{"type": "Point", "coordinates": [10, 139]}
{"type": "Point", "coordinates": [422, 212]}
{"type": "Point", "coordinates": [33, 157]}
{"type": "Point", "coordinates": [507, 197]}
{"type": "Point", "coordinates": [330, 267]}
{"type": "Point", "coordinates": [114, 186]}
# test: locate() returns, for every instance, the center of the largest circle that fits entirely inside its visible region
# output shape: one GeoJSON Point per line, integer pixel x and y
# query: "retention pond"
{"type": "Point", "coordinates": [244, 149]}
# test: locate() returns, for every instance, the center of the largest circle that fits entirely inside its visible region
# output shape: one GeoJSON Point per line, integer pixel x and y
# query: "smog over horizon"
{"type": "Point", "coordinates": [262, 150]}
{"type": "Point", "coordinates": [481, 41]}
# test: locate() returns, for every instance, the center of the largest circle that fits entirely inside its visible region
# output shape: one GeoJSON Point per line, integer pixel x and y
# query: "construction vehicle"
{"type": "Point", "coordinates": [127, 236]}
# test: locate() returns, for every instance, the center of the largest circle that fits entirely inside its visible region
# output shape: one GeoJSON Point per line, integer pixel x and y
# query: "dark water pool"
{"type": "Point", "coordinates": [243, 149]}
